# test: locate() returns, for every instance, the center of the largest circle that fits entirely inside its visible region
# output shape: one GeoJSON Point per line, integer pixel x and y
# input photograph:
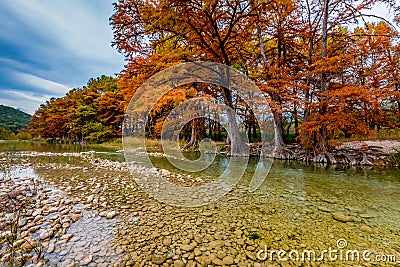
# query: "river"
{"type": "Point", "coordinates": [298, 208]}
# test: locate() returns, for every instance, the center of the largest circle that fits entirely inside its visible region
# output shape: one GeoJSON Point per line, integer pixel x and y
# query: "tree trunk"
{"type": "Point", "coordinates": [210, 129]}
{"type": "Point", "coordinates": [219, 132]}
{"type": "Point", "coordinates": [238, 147]}
{"type": "Point", "coordinates": [193, 138]}
{"type": "Point", "coordinates": [398, 101]}
{"type": "Point", "coordinates": [278, 125]}
{"type": "Point", "coordinates": [324, 82]}
{"type": "Point", "coordinates": [249, 131]}
{"type": "Point", "coordinates": [254, 130]}
{"type": "Point", "coordinates": [296, 122]}
{"type": "Point", "coordinates": [279, 144]}
{"type": "Point", "coordinates": [325, 28]}
{"type": "Point", "coordinates": [287, 132]}
{"type": "Point", "coordinates": [310, 61]}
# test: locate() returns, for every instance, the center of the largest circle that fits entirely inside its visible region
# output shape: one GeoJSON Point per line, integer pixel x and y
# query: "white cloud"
{"type": "Point", "coordinates": [14, 94]}
{"type": "Point", "coordinates": [56, 89]}
{"type": "Point", "coordinates": [14, 63]}
{"type": "Point", "coordinates": [51, 46]}
{"type": "Point", "coordinates": [26, 101]}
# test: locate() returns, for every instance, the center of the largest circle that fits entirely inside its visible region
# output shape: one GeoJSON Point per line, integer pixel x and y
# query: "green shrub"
{"type": "Point", "coordinates": [395, 158]}
{"type": "Point", "coordinates": [291, 138]}
{"type": "Point", "coordinates": [6, 135]}
{"type": "Point", "coordinates": [254, 236]}
{"type": "Point", "coordinates": [23, 136]}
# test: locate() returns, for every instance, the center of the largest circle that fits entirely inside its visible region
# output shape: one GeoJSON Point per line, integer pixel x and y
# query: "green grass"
{"type": "Point", "coordinates": [383, 134]}
{"type": "Point", "coordinates": [395, 158]}
{"type": "Point", "coordinates": [114, 144]}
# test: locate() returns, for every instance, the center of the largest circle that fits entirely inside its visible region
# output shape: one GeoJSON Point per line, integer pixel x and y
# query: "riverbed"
{"type": "Point", "coordinates": [297, 209]}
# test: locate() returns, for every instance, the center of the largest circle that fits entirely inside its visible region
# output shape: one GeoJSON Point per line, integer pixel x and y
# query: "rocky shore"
{"type": "Point", "coordinates": [34, 217]}
{"type": "Point", "coordinates": [90, 212]}
{"type": "Point", "coordinates": [357, 153]}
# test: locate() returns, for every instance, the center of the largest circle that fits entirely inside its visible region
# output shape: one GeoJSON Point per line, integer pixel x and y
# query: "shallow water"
{"type": "Point", "coordinates": [18, 146]}
{"type": "Point", "coordinates": [295, 201]}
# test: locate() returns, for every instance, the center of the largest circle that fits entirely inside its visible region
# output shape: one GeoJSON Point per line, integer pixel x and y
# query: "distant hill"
{"type": "Point", "coordinates": [12, 119]}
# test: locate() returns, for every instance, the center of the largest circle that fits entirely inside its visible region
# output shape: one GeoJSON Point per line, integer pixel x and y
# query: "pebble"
{"type": "Point", "coordinates": [367, 216]}
{"type": "Point", "coordinates": [29, 244]}
{"type": "Point", "coordinates": [216, 244]}
{"type": "Point", "coordinates": [250, 255]}
{"type": "Point", "coordinates": [111, 214]}
{"type": "Point", "coordinates": [76, 217]}
{"type": "Point", "coordinates": [228, 260]}
{"type": "Point", "coordinates": [46, 234]}
{"type": "Point", "coordinates": [217, 261]}
{"type": "Point", "coordinates": [165, 172]}
{"type": "Point", "coordinates": [167, 241]}
{"type": "Point", "coordinates": [22, 222]}
{"type": "Point", "coordinates": [197, 252]}
{"type": "Point", "coordinates": [158, 259]}
{"type": "Point", "coordinates": [221, 254]}
{"type": "Point", "coordinates": [324, 209]}
{"type": "Point", "coordinates": [94, 249]}
{"type": "Point", "coordinates": [66, 237]}
{"type": "Point", "coordinates": [51, 247]}
{"type": "Point", "coordinates": [179, 263]}
{"type": "Point", "coordinates": [342, 217]}
{"type": "Point", "coordinates": [89, 198]}
{"type": "Point", "coordinates": [207, 214]}
{"type": "Point", "coordinates": [189, 247]}
{"type": "Point", "coordinates": [169, 236]}
{"type": "Point", "coordinates": [86, 260]}
{"type": "Point", "coordinates": [367, 229]}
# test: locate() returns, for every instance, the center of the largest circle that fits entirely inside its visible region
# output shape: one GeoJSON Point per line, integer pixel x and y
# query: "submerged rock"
{"type": "Point", "coordinates": [367, 229]}
{"type": "Point", "coordinates": [89, 198]}
{"type": "Point", "coordinates": [189, 247]}
{"type": "Point", "coordinates": [228, 260]}
{"type": "Point", "coordinates": [46, 234]}
{"type": "Point", "coordinates": [158, 259]}
{"type": "Point", "coordinates": [86, 260]}
{"type": "Point", "coordinates": [51, 247]}
{"type": "Point", "coordinates": [338, 216]}
{"type": "Point", "coordinates": [76, 217]}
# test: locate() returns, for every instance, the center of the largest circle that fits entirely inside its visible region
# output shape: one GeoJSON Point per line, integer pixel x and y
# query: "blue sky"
{"type": "Point", "coordinates": [48, 47]}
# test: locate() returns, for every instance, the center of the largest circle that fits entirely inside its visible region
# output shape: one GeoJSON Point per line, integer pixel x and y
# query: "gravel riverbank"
{"type": "Point", "coordinates": [90, 212]}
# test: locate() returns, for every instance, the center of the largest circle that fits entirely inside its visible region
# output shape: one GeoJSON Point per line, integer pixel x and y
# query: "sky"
{"type": "Point", "coordinates": [48, 47]}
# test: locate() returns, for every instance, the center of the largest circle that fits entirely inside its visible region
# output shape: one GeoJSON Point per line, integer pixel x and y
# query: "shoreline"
{"type": "Point", "coordinates": [380, 153]}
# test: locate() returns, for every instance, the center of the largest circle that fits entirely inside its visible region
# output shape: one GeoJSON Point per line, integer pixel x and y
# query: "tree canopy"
{"type": "Point", "coordinates": [325, 67]}
{"type": "Point", "coordinates": [13, 120]}
{"type": "Point", "coordinates": [93, 113]}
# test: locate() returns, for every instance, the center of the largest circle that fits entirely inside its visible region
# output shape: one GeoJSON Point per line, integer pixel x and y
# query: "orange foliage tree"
{"type": "Point", "coordinates": [312, 68]}
{"type": "Point", "coordinates": [93, 113]}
